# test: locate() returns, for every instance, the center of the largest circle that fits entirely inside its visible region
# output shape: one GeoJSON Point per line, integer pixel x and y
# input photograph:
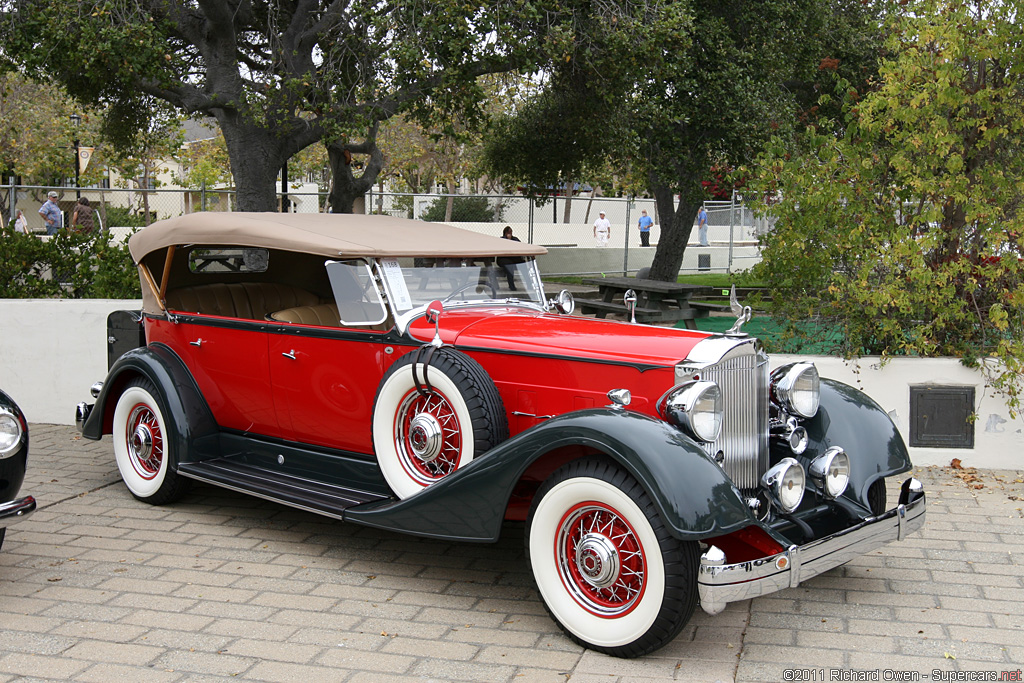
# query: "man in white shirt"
{"type": "Point", "coordinates": [602, 230]}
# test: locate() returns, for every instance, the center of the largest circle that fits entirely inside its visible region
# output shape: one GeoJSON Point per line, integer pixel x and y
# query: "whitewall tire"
{"type": "Point", "coordinates": [143, 445]}
{"type": "Point", "coordinates": [606, 568]}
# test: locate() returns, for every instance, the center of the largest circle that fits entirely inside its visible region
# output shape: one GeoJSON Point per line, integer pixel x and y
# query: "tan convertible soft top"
{"type": "Point", "coordinates": [325, 234]}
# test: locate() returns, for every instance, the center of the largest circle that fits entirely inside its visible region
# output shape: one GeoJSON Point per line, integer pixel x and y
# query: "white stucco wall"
{"type": "Point", "coordinates": [998, 438]}
{"type": "Point", "coordinates": [51, 351]}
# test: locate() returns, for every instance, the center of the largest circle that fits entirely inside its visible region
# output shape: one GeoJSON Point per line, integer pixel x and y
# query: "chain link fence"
{"type": "Point", "coordinates": [565, 225]}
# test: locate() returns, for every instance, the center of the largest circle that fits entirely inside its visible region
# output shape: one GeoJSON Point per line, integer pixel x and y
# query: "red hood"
{"type": "Point", "coordinates": [513, 329]}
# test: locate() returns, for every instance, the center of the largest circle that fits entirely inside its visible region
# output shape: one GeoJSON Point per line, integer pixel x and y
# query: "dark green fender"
{"type": "Point", "coordinates": [847, 417]}
{"type": "Point", "coordinates": [693, 495]}
{"type": "Point", "coordinates": [195, 431]}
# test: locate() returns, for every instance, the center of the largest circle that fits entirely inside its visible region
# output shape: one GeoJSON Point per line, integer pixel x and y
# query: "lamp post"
{"type": "Point", "coordinates": [76, 121]}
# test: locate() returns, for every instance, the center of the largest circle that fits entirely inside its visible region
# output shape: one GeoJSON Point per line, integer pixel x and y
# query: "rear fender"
{"type": "Point", "coordinates": [694, 497]}
{"type": "Point", "coordinates": [195, 431]}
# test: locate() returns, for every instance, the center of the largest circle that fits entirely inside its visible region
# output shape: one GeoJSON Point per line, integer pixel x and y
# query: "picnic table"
{"type": "Point", "coordinates": [656, 300]}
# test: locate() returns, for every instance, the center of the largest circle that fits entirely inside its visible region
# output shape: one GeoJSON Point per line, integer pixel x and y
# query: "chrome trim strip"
{"type": "Point", "coordinates": [17, 510]}
{"type": "Point", "coordinates": [720, 584]}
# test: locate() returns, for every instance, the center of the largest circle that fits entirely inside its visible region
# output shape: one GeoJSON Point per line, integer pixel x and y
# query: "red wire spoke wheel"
{"type": "Point", "coordinates": [428, 436]}
{"type": "Point", "coordinates": [145, 438]}
{"type": "Point", "coordinates": [600, 559]}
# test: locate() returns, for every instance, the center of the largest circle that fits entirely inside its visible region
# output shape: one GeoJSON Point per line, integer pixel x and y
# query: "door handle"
{"type": "Point", "coordinates": [289, 355]}
{"type": "Point", "coordinates": [197, 342]}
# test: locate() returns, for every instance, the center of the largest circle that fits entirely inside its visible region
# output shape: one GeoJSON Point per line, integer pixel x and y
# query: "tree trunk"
{"type": "Point", "coordinates": [568, 202]}
{"type": "Point", "coordinates": [346, 187]}
{"type": "Point", "coordinates": [450, 205]}
{"type": "Point", "coordinates": [256, 155]}
{"type": "Point", "coordinates": [676, 226]}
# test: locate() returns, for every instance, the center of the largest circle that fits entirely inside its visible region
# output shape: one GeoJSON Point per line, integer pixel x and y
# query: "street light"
{"type": "Point", "coordinates": [76, 121]}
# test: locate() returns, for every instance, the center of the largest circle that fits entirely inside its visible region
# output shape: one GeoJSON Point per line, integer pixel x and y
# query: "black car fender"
{"type": "Point", "coordinates": [195, 430]}
{"type": "Point", "coordinates": [12, 468]}
{"type": "Point", "coordinates": [849, 418]}
{"type": "Point", "coordinates": [694, 496]}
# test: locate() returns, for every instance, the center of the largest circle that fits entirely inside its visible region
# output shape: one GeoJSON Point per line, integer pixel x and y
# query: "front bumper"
{"type": "Point", "coordinates": [721, 583]}
{"type": "Point", "coordinates": [16, 510]}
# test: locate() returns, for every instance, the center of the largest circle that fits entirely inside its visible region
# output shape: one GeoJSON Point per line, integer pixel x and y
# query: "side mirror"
{"type": "Point", "coordinates": [565, 304]}
{"type": "Point", "coordinates": [630, 300]}
{"type": "Point", "coordinates": [434, 310]}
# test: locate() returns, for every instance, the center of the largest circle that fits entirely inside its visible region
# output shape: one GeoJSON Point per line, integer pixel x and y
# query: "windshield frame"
{"type": "Point", "coordinates": [406, 306]}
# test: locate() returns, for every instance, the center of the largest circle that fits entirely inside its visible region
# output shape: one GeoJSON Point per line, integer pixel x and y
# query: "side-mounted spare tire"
{"type": "Point", "coordinates": [423, 433]}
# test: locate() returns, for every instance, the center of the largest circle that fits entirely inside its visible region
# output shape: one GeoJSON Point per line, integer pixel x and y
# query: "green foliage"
{"type": "Point", "coordinates": [464, 209]}
{"type": "Point", "coordinates": [278, 76]}
{"type": "Point", "coordinates": [123, 217]}
{"type": "Point", "coordinates": [904, 229]}
{"type": "Point", "coordinates": [70, 265]}
{"type": "Point", "coordinates": [669, 91]}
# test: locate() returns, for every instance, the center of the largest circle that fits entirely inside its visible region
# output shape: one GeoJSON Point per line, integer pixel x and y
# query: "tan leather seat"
{"type": "Point", "coordinates": [328, 315]}
{"type": "Point", "coordinates": [250, 300]}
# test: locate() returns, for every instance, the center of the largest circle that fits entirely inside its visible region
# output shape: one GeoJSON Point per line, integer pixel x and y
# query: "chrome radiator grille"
{"type": "Point", "coordinates": [744, 438]}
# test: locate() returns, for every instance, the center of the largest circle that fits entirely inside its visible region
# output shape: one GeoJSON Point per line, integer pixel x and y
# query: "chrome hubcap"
{"type": "Point", "coordinates": [425, 437]}
{"type": "Point", "coordinates": [597, 560]}
{"type": "Point", "coordinates": [142, 442]}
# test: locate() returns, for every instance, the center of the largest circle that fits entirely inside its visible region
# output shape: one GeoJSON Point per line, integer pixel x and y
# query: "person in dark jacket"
{"type": "Point", "coordinates": [509, 263]}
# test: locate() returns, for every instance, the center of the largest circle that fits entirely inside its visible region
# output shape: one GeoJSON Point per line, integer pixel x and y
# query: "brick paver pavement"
{"type": "Point", "coordinates": [99, 587]}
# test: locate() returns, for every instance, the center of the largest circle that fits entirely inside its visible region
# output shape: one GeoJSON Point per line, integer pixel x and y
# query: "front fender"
{"type": "Point", "coordinates": [849, 418]}
{"type": "Point", "coordinates": [194, 430]}
{"type": "Point", "coordinates": [12, 467]}
{"type": "Point", "coordinates": [693, 495]}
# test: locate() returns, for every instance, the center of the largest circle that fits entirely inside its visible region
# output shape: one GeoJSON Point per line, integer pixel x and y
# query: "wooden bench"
{"type": "Point", "coordinates": [718, 308]}
{"type": "Point", "coordinates": [603, 308]}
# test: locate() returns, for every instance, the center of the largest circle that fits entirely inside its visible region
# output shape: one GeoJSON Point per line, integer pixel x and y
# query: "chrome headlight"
{"type": "Point", "coordinates": [10, 433]}
{"type": "Point", "coordinates": [786, 483]}
{"type": "Point", "coordinates": [831, 471]}
{"type": "Point", "coordinates": [695, 407]}
{"type": "Point", "coordinates": [797, 388]}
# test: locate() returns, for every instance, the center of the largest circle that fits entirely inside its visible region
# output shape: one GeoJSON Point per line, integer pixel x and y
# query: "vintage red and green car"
{"type": "Point", "coordinates": [412, 376]}
{"type": "Point", "coordinates": [13, 460]}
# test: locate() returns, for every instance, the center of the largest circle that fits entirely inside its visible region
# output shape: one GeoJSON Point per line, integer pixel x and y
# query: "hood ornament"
{"type": "Point", "coordinates": [743, 315]}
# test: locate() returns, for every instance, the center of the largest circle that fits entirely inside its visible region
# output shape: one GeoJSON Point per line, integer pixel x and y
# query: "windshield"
{"type": "Point", "coordinates": [416, 282]}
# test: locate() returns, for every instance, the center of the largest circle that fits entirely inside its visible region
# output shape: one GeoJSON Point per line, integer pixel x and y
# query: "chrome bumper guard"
{"type": "Point", "coordinates": [721, 583]}
{"type": "Point", "coordinates": [16, 510]}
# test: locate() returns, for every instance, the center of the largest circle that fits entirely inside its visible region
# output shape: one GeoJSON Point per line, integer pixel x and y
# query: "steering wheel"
{"type": "Point", "coordinates": [463, 288]}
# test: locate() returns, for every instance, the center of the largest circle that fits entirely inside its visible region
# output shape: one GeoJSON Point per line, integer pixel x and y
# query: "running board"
{"type": "Point", "coordinates": [305, 494]}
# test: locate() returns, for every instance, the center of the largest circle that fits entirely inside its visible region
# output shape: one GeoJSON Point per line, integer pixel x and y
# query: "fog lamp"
{"type": "Point", "coordinates": [831, 471]}
{"type": "Point", "coordinates": [786, 483]}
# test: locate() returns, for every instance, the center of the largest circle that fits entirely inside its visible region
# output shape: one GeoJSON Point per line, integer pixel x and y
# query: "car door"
{"type": "Point", "coordinates": [228, 359]}
{"type": "Point", "coordinates": [325, 371]}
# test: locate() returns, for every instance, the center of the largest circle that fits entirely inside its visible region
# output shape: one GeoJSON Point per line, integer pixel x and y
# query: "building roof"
{"type": "Point", "coordinates": [325, 234]}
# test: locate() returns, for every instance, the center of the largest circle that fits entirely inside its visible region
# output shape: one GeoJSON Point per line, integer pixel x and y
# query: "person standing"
{"type": "Point", "coordinates": [81, 217]}
{"type": "Point", "coordinates": [602, 230]}
{"type": "Point", "coordinates": [702, 226]}
{"type": "Point", "coordinates": [508, 263]}
{"type": "Point", "coordinates": [21, 223]}
{"type": "Point", "coordinates": [51, 213]}
{"type": "Point", "coordinates": [645, 224]}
